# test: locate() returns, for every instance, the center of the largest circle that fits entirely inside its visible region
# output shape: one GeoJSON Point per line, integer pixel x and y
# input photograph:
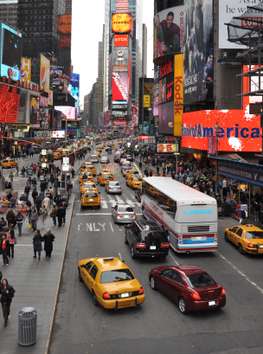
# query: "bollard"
{"type": "Point", "coordinates": [27, 326]}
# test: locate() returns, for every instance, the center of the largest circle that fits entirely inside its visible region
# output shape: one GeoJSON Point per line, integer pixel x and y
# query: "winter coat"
{"type": "Point", "coordinates": [37, 243]}
{"type": "Point", "coordinates": [6, 294]}
{"type": "Point", "coordinates": [48, 241]}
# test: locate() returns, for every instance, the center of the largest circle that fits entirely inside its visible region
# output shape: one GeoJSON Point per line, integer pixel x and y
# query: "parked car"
{"type": "Point", "coordinates": [146, 239]}
{"type": "Point", "coordinates": [190, 287]}
{"type": "Point", "coordinates": [123, 214]}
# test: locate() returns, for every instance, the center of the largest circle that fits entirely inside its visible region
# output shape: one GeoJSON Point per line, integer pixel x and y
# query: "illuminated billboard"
{"type": "Point", "coordinates": [167, 148]}
{"type": "Point", "coordinates": [11, 50]}
{"type": "Point", "coordinates": [120, 59]}
{"type": "Point", "coordinates": [198, 51]}
{"type": "Point", "coordinates": [120, 87]}
{"type": "Point", "coordinates": [26, 68]}
{"type": "Point", "coordinates": [44, 80]}
{"type": "Point", "coordinates": [58, 134]}
{"type": "Point", "coordinates": [178, 93]}
{"type": "Point", "coordinates": [68, 112]}
{"type": "Point", "coordinates": [121, 40]}
{"type": "Point", "coordinates": [9, 104]}
{"type": "Point", "coordinates": [168, 31]}
{"type": "Point", "coordinates": [121, 23]}
{"type": "Point", "coordinates": [232, 130]}
{"type": "Point", "coordinates": [74, 87]}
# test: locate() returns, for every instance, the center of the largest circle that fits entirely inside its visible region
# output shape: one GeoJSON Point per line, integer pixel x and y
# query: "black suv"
{"type": "Point", "coordinates": [146, 239]}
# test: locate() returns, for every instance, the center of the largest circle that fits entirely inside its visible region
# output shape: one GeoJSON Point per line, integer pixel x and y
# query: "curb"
{"type": "Point", "coordinates": [47, 346]}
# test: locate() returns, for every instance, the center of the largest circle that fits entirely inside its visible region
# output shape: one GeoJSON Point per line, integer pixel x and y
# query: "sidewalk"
{"type": "Point", "coordinates": [36, 283]}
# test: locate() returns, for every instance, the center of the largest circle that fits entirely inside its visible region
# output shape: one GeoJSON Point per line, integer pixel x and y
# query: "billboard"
{"type": "Point", "coordinates": [68, 112]}
{"type": "Point", "coordinates": [121, 40]}
{"type": "Point", "coordinates": [44, 79]}
{"type": "Point", "coordinates": [26, 68]}
{"type": "Point", "coordinates": [198, 51]}
{"type": "Point", "coordinates": [234, 130]}
{"type": "Point", "coordinates": [58, 134]}
{"type": "Point", "coordinates": [167, 148]}
{"type": "Point", "coordinates": [120, 87]}
{"type": "Point", "coordinates": [228, 10]}
{"type": "Point", "coordinates": [169, 31]}
{"type": "Point", "coordinates": [74, 87]}
{"type": "Point", "coordinates": [9, 104]}
{"type": "Point", "coordinates": [120, 59]}
{"type": "Point", "coordinates": [178, 93]}
{"type": "Point", "coordinates": [11, 51]}
{"type": "Point", "coordinates": [121, 23]}
{"type": "Point", "coordinates": [64, 24]}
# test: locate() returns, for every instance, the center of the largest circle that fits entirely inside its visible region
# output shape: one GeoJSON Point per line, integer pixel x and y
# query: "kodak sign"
{"type": "Point", "coordinates": [178, 93]}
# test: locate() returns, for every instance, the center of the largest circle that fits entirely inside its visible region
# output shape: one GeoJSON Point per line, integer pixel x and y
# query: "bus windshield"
{"type": "Point", "coordinates": [196, 213]}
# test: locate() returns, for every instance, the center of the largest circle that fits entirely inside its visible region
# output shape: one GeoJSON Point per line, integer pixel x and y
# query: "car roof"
{"type": "Point", "coordinates": [189, 269]}
{"type": "Point", "coordinates": [249, 227]}
{"type": "Point", "coordinates": [125, 205]}
{"type": "Point", "coordinates": [109, 263]}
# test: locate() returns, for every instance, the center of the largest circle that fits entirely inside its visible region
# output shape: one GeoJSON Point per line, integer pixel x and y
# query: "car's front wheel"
{"type": "Point", "coordinates": [182, 306]}
{"type": "Point", "coordinates": [152, 283]}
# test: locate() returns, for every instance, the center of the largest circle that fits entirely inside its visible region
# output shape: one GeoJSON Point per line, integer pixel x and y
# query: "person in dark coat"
{"type": "Point", "coordinates": [61, 215]}
{"type": "Point", "coordinates": [7, 293]}
{"type": "Point", "coordinates": [11, 218]}
{"type": "Point", "coordinates": [37, 244]}
{"type": "Point", "coordinates": [48, 243]}
{"type": "Point", "coordinates": [5, 247]}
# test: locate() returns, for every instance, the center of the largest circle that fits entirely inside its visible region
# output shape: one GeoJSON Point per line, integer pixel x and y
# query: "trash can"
{"type": "Point", "coordinates": [27, 326]}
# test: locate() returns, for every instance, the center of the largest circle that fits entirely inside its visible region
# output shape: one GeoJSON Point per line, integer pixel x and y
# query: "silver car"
{"type": "Point", "coordinates": [94, 159]}
{"type": "Point", "coordinates": [123, 214]}
{"type": "Point", "coordinates": [104, 159]}
{"type": "Point", "coordinates": [113, 187]}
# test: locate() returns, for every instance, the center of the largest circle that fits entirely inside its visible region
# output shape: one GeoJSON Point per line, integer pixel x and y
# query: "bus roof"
{"type": "Point", "coordinates": [179, 191]}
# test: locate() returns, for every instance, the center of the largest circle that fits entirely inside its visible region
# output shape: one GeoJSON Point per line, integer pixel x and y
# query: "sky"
{"type": "Point", "coordinates": [87, 32]}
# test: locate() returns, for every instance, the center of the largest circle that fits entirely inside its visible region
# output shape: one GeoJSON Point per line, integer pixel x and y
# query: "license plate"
{"type": "Point", "coordinates": [211, 303]}
{"type": "Point", "coordinates": [198, 238]}
{"type": "Point", "coordinates": [153, 248]}
{"type": "Point", "coordinates": [124, 295]}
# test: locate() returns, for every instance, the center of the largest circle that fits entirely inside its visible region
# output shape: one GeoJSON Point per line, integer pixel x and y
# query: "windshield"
{"type": "Point", "coordinates": [91, 195]}
{"type": "Point", "coordinates": [114, 184]}
{"type": "Point", "coordinates": [127, 209]}
{"type": "Point", "coordinates": [113, 276]}
{"type": "Point", "coordinates": [254, 234]}
{"type": "Point", "coordinates": [201, 280]}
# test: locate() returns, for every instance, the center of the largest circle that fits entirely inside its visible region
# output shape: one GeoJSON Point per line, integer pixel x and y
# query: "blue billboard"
{"type": "Point", "coordinates": [74, 87]}
{"type": "Point", "coordinates": [11, 52]}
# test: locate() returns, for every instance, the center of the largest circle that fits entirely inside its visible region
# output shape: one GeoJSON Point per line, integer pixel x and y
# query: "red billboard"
{"type": "Point", "coordinates": [121, 40]}
{"type": "Point", "coordinates": [233, 130]}
{"type": "Point", "coordinates": [120, 86]}
{"type": "Point", "coordinates": [9, 104]}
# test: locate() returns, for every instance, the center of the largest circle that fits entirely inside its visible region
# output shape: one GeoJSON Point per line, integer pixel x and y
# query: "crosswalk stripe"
{"type": "Point", "coordinates": [120, 200]}
{"type": "Point", "coordinates": [104, 204]}
{"type": "Point", "coordinates": [130, 202]}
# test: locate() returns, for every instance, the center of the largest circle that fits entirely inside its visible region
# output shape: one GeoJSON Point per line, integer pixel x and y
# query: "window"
{"type": "Point", "coordinates": [88, 266]}
{"type": "Point", "coordinates": [167, 273]}
{"type": "Point", "coordinates": [201, 280]}
{"type": "Point", "coordinates": [177, 277]}
{"type": "Point", "coordinates": [93, 272]}
{"type": "Point", "coordinates": [239, 232]}
{"type": "Point", "coordinates": [117, 275]}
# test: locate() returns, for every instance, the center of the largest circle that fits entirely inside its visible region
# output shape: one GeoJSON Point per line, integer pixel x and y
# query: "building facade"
{"type": "Point", "coordinates": [8, 12]}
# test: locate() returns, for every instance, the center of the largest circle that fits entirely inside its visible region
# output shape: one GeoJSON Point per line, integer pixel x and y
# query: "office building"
{"type": "Point", "coordinates": [8, 12]}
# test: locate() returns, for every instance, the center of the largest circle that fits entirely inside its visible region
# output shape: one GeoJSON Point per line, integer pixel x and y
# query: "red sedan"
{"type": "Point", "coordinates": [192, 288]}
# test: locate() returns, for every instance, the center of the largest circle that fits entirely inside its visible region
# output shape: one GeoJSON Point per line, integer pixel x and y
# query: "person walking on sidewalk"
{"type": "Point", "coordinates": [7, 293]}
{"type": "Point", "coordinates": [11, 218]}
{"type": "Point", "coordinates": [33, 219]}
{"type": "Point", "coordinates": [61, 215]}
{"type": "Point", "coordinates": [19, 222]}
{"type": "Point", "coordinates": [53, 214]}
{"type": "Point", "coordinates": [12, 241]}
{"type": "Point", "coordinates": [37, 244]}
{"type": "Point", "coordinates": [5, 247]}
{"type": "Point", "coordinates": [48, 243]}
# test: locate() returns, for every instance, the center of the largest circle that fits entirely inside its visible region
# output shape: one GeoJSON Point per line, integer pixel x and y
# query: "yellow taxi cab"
{"type": "Point", "coordinates": [134, 181]}
{"type": "Point", "coordinates": [90, 199]}
{"type": "Point", "coordinates": [85, 177]}
{"type": "Point", "coordinates": [88, 167]}
{"type": "Point", "coordinates": [248, 238]}
{"type": "Point", "coordinates": [105, 176]}
{"type": "Point", "coordinates": [8, 163]}
{"type": "Point", "coordinates": [87, 186]}
{"type": "Point", "coordinates": [111, 282]}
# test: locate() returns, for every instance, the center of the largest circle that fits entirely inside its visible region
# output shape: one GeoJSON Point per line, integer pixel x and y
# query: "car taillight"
{"type": "Point", "coordinates": [223, 292]}
{"type": "Point", "coordinates": [140, 245]}
{"type": "Point", "coordinates": [106, 296]}
{"type": "Point", "coordinates": [195, 296]}
{"type": "Point", "coordinates": [164, 245]}
{"type": "Point", "coordinates": [141, 291]}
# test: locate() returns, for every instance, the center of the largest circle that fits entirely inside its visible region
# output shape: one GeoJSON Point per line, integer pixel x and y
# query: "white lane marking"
{"type": "Point", "coordinates": [120, 200]}
{"type": "Point", "coordinates": [104, 204]}
{"type": "Point", "coordinates": [93, 214]}
{"type": "Point", "coordinates": [243, 275]}
{"type": "Point", "coordinates": [173, 257]}
{"type": "Point", "coordinates": [130, 202]}
{"type": "Point", "coordinates": [111, 226]}
{"type": "Point", "coordinates": [132, 196]}
{"type": "Point", "coordinates": [112, 201]}
{"type": "Point", "coordinates": [24, 245]}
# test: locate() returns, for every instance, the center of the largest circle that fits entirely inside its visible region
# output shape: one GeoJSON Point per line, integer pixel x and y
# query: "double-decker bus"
{"type": "Point", "coordinates": [189, 216]}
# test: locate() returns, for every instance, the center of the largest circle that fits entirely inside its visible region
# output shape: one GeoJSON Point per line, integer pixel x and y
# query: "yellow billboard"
{"type": "Point", "coordinates": [26, 66]}
{"type": "Point", "coordinates": [178, 93]}
{"type": "Point", "coordinates": [146, 101]}
{"type": "Point", "coordinates": [121, 23]}
{"type": "Point", "coordinates": [44, 73]}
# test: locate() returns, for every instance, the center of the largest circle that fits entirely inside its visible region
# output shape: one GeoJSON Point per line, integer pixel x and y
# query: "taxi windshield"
{"type": "Point", "coordinates": [117, 275]}
{"type": "Point", "coordinates": [254, 234]}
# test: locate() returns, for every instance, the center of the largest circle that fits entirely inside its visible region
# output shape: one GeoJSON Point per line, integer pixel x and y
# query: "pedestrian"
{"type": "Point", "coordinates": [12, 241]}
{"type": "Point", "coordinates": [48, 243]}
{"type": "Point", "coordinates": [37, 244]}
{"type": "Point", "coordinates": [7, 293]}
{"type": "Point", "coordinates": [53, 214]}
{"type": "Point", "coordinates": [11, 218]}
{"type": "Point", "coordinates": [44, 213]}
{"type": "Point", "coordinates": [34, 195]}
{"type": "Point", "coordinates": [5, 247]}
{"type": "Point", "coordinates": [3, 224]}
{"type": "Point", "coordinates": [34, 219]}
{"type": "Point", "coordinates": [61, 215]}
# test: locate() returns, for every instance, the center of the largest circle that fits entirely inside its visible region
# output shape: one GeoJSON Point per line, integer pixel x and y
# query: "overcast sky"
{"type": "Point", "coordinates": [87, 32]}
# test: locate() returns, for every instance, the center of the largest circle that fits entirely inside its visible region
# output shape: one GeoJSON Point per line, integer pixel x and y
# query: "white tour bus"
{"type": "Point", "coordinates": [189, 216]}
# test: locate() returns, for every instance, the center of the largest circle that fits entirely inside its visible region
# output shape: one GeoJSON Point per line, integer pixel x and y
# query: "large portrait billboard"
{"type": "Point", "coordinates": [26, 68]}
{"type": "Point", "coordinates": [198, 58]}
{"type": "Point", "coordinates": [168, 31]}
{"type": "Point", "coordinates": [120, 87]}
{"type": "Point", "coordinates": [44, 80]}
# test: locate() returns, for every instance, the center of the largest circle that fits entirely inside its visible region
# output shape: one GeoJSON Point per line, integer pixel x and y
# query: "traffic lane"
{"type": "Point", "coordinates": [157, 323]}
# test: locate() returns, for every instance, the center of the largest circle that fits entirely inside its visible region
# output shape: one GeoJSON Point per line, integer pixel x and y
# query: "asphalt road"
{"type": "Point", "coordinates": [157, 327]}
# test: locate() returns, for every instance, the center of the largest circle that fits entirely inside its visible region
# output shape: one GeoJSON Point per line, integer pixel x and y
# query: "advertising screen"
{"type": "Point", "coordinates": [121, 40]}
{"type": "Point", "coordinates": [167, 148]}
{"type": "Point", "coordinates": [120, 59]}
{"type": "Point", "coordinates": [168, 31]}
{"type": "Point", "coordinates": [121, 23]}
{"type": "Point", "coordinates": [74, 87]}
{"type": "Point", "coordinates": [178, 93]}
{"type": "Point", "coordinates": [198, 53]}
{"type": "Point", "coordinates": [119, 122]}
{"type": "Point", "coordinates": [11, 48]}
{"type": "Point", "coordinates": [25, 71]}
{"type": "Point", "coordinates": [228, 10]}
{"type": "Point", "coordinates": [64, 24]}
{"type": "Point", "coordinates": [235, 130]}
{"type": "Point", "coordinates": [68, 112]}
{"type": "Point", "coordinates": [9, 104]}
{"type": "Point", "coordinates": [58, 134]}
{"type": "Point", "coordinates": [44, 79]}
{"type": "Point", "coordinates": [120, 86]}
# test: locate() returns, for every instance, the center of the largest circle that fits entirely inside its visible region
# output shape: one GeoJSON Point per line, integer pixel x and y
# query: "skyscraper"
{"type": "Point", "coordinates": [8, 12]}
